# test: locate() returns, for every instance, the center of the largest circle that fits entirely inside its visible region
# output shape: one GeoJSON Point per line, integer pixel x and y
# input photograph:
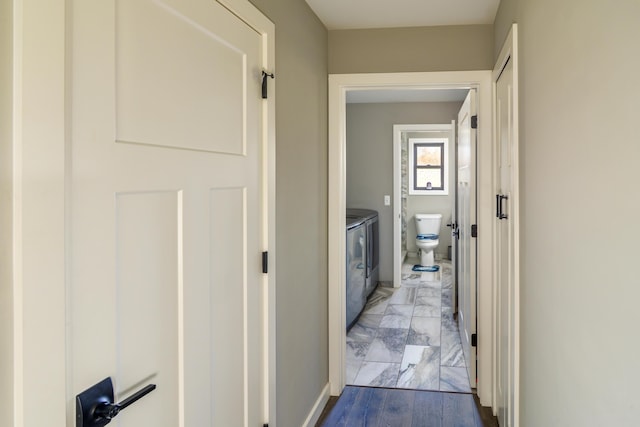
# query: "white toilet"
{"type": "Point", "coordinates": [428, 228]}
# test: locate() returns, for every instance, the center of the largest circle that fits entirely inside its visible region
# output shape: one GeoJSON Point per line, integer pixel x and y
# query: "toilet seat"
{"type": "Point", "coordinates": [427, 237]}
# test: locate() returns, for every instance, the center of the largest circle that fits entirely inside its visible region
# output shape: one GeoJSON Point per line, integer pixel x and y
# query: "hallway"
{"type": "Point", "coordinates": [407, 337]}
{"type": "Point", "coordinates": [364, 406]}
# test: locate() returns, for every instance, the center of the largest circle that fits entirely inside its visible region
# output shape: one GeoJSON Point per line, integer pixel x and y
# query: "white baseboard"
{"type": "Point", "coordinates": [318, 407]}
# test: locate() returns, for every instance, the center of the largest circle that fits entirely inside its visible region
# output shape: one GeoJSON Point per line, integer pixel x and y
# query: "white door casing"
{"type": "Point", "coordinates": [466, 218]}
{"type": "Point", "coordinates": [505, 249]}
{"type": "Point", "coordinates": [339, 84]}
{"type": "Point", "coordinates": [507, 235]}
{"type": "Point", "coordinates": [156, 222]}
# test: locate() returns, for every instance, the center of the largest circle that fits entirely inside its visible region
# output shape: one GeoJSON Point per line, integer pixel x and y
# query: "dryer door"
{"type": "Point", "coordinates": [356, 270]}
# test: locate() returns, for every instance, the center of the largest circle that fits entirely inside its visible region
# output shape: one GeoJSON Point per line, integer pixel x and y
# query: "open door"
{"type": "Point", "coordinates": [454, 222]}
{"type": "Point", "coordinates": [466, 220]}
{"type": "Point", "coordinates": [166, 212]}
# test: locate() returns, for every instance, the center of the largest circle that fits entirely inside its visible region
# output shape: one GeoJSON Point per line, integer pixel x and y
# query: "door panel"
{"type": "Point", "coordinates": [466, 195]}
{"type": "Point", "coordinates": [165, 210]}
{"type": "Point", "coordinates": [228, 254]}
{"type": "Point", "coordinates": [160, 96]}
{"type": "Point", "coordinates": [147, 264]}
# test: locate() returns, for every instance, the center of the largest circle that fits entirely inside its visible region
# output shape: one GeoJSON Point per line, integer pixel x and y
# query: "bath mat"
{"type": "Point", "coordinates": [429, 268]}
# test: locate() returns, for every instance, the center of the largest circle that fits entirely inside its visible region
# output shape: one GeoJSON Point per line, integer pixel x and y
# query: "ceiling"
{"type": "Point", "coordinates": [352, 14]}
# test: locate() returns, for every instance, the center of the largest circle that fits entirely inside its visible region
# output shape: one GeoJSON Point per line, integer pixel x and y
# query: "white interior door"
{"type": "Point", "coordinates": [505, 250]}
{"type": "Point", "coordinates": [466, 194]}
{"type": "Point", "coordinates": [166, 212]}
{"type": "Point", "coordinates": [454, 223]}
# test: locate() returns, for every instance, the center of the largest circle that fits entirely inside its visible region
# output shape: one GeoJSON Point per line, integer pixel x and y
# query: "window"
{"type": "Point", "coordinates": [428, 166]}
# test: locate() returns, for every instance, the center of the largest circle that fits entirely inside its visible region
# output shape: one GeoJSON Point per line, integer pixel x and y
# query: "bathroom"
{"type": "Point", "coordinates": [371, 116]}
{"type": "Point", "coordinates": [370, 163]}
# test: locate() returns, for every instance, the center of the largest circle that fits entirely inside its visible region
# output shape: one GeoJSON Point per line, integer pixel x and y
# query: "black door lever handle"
{"type": "Point", "coordinates": [110, 410]}
{"type": "Point", "coordinates": [95, 406]}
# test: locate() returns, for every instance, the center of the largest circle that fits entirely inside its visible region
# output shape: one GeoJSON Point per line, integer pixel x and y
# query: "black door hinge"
{"type": "Point", "coordinates": [265, 262]}
{"type": "Point", "coordinates": [474, 230]}
{"type": "Point", "coordinates": [264, 83]}
{"type": "Point", "coordinates": [474, 122]}
{"type": "Point", "coordinates": [474, 340]}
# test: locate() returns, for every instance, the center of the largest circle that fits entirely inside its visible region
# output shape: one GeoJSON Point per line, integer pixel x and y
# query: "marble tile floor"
{"type": "Point", "coordinates": [407, 337]}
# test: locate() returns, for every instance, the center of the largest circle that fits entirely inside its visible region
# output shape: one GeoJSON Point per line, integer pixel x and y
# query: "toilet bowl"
{"type": "Point", "coordinates": [427, 239]}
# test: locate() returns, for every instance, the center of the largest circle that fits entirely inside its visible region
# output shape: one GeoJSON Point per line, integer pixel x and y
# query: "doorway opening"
{"type": "Point", "coordinates": [339, 87]}
{"type": "Point", "coordinates": [406, 336]}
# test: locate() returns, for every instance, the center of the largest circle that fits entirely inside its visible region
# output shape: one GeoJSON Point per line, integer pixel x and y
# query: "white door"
{"type": "Point", "coordinates": [454, 223]}
{"type": "Point", "coordinates": [505, 250]}
{"type": "Point", "coordinates": [165, 212]}
{"type": "Point", "coordinates": [466, 194]}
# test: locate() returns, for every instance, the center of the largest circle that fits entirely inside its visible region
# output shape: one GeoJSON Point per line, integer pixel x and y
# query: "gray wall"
{"type": "Point", "coordinates": [301, 207]}
{"type": "Point", "coordinates": [446, 48]}
{"type": "Point", "coordinates": [580, 63]}
{"type": "Point", "coordinates": [6, 269]}
{"type": "Point", "coordinates": [370, 159]}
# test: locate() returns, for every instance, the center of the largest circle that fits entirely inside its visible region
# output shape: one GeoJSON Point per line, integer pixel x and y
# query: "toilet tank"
{"type": "Point", "coordinates": [428, 223]}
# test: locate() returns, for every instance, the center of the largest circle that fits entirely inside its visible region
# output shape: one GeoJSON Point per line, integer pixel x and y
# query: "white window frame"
{"type": "Point", "coordinates": [445, 167]}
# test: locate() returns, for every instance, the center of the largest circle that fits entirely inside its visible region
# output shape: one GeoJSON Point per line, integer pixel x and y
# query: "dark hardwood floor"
{"type": "Point", "coordinates": [383, 407]}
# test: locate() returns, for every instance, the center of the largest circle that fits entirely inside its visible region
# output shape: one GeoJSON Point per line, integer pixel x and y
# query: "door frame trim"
{"type": "Point", "coordinates": [41, 116]}
{"type": "Point", "coordinates": [339, 85]}
{"type": "Point", "coordinates": [397, 185]}
{"type": "Point", "coordinates": [509, 51]}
